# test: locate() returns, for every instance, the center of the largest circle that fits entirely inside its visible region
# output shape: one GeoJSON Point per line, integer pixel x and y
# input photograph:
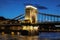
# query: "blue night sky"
{"type": "Point", "coordinates": [13, 8]}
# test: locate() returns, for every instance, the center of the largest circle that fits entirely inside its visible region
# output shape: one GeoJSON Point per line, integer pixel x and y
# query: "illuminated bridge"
{"type": "Point", "coordinates": [30, 21]}
{"type": "Point", "coordinates": [44, 19]}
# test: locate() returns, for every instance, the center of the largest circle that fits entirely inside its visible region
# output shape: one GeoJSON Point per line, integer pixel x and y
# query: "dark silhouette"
{"type": "Point", "coordinates": [24, 32]}
{"type": "Point", "coordinates": [2, 18]}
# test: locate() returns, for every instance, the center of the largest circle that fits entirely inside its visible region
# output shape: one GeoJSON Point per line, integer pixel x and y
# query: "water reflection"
{"type": "Point", "coordinates": [17, 37]}
{"type": "Point", "coordinates": [41, 36]}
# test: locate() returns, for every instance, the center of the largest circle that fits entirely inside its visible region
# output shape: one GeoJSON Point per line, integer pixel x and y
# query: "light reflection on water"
{"type": "Point", "coordinates": [41, 36]}
{"type": "Point", "coordinates": [17, 37]}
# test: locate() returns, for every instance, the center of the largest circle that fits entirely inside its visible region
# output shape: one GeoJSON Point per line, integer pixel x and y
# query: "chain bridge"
{"type": "Point", "coordinates": [32, 19]}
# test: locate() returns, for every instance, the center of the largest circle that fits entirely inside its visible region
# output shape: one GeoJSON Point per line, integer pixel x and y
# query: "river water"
{"type": "Point", "coordinates": [41, 36]}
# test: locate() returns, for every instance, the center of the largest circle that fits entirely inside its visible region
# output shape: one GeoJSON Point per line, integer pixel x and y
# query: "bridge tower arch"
{"type": "Point", "coordinates": [31, 14]}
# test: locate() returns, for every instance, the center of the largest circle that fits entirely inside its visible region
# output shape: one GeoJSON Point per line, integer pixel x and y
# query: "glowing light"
{"type": "Point", "coordinates": [31, 27]}
{"type": "Point", "coordinates": [18, 33]}
{"type": "Point", "coordinates": [28, 27]}
{"type": "Point", "coordinates": [12, 33]}
{"type": "Point", "coordinates": [24, 27]}
{"type": "Point", "coordinates": [36, 28]}
{"type": "Point", "coordinates": [2, 33]}
{"type": "Point", "coordinates": [29, 6]}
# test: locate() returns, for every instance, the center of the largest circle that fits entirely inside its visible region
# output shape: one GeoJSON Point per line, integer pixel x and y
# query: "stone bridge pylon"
{"type": "Point", "coordinates": [31, 14]}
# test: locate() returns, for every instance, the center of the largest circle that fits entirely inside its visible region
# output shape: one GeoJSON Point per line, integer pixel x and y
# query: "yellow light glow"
{"type": "Point", "coordinates": [31, 27]}
{"type": "Point", "coordinates": [12, 33]}
{"type": "Point", "coordinates": [2, 33]}
{"type": "Point", "coordinates": [24, 27]}
{"type": "Point", "coordinates": [28, 27]}
{"type": "Point", "coordinates": [26, 18]}
{"type": "Point", "coordinates": [36, 28]}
